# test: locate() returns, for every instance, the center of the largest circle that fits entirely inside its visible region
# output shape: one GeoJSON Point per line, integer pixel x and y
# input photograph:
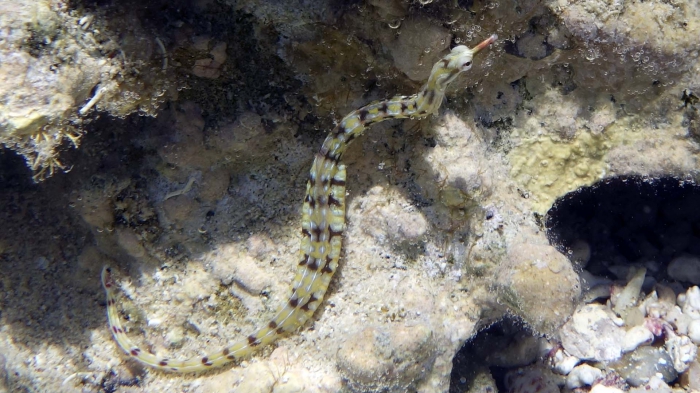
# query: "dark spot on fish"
{"type": "Point", "coordinates": [313, 265]}
{"type": "Point", "coordinates": [337, 182]}
{"type": "Point", "coordinates": [333, 233]}
{"type": "Point", "coordinates": [312, 299]}
{"type": "Point", "coordinates": [363, 114]}
{"type": "Point", "coordinates": [332, 201]}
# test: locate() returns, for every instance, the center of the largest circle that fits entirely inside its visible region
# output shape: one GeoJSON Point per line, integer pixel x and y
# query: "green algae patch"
{"type": "Point", "coordinates": [549, 167]}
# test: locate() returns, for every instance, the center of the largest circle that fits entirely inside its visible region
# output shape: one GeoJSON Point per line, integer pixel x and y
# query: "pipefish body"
{"type": "Point", "coordinates": [322, 225]}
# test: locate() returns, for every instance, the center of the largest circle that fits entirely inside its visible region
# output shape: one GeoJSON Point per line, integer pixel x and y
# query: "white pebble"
{"type": "Point", "coordinates": [583, 375]}
{"type": "Point", "coordinates": [605, 389]}
{"type": "Point", "coordinates": [636, 337]}
{"type": "Point", "coordinates": [682, 351]}
{"type": "Point", "coordinates": [694, 331]}
{"type": "Point", "coordinates": [564, 363]}
{"type": "Point", "coordinates": [690, 302]}
{"type": "Point", "coordinates": [593, 334]}
{"type": "Point", "coordinates": [678, 319]}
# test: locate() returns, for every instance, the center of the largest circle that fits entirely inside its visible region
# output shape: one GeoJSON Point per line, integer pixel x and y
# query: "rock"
{"type": "Point", "coordinates": [542, 285]}
{"type": "Point", "coordinates": [563, 362]}
{"type": "Point", "coordinates": [391, 220]}
{"type": "Point", "coordinates": [130, 243]}
{"type": "Point", "coordinates": [533, 379]}
{"type": "Point", "coordinates": [637, 367]}
{"type": "Point", "coordinates": [4, 374]}
{"type": "Point", "coordinates": [209, 67]}
{"type": "Point", "coordinates": [694, 331]}
{"type": "Point", "coordinates": [583, 375]}
{"type": "Point", "coordinates": [475, 208]}
{"type": "Point", "coordinates": [213, 185]}
{"type": "Point", "coordinates": [605, 389]}
{"type": "Point", "coordinates": [419, 40]}
{"type": "Point", "coordinates": [691, 378]}
{"type": "Point", "coordinates": [682, 350]}
{"type": "Point", "coordinates": [685, 268]}
{"type": "Point", "coordinates": [690, 302]}
{"type": "Point", "coordinates": [580, 253]}
{"type": "Point", "coordinates": [46, 104]}
{"type": "Point", "coordinates": [626, 299]}
{"type": "Point", "coordinates": [482, 382]}
{"type": "Point", "coordinates": [655, 384]}
{"type": "Point", "coordinates": [636, 337]}
{"type": "Point", "coordinates": [592, 334]}
{"type": "Point", "coordinates": [680, 321]}
{"type": "Point", "coordinates": [660, 302]}
{"type": "Point", "coordinates": [386, 359]}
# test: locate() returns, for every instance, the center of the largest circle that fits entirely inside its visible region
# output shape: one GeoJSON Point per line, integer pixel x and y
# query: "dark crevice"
{"type": "Point", "coordinates": [476, 358]}
{"type": "Point", "coordinates": [629, 220]}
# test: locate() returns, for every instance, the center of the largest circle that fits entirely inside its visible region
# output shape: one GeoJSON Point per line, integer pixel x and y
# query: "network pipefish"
{"type": "Point", "coordinates": [323, 221]}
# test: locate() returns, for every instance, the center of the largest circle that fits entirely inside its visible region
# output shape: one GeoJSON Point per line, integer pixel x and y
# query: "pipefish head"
{"type": "Point", "coordinates": [457, 61]}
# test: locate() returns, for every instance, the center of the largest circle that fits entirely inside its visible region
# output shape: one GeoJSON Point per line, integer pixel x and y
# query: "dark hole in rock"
{"type": "Point", "coordinates": [14, 174]}
{"type": "Point", "coordinates": [479, 364]}
{"type": "Point", "coordinates": [652, 223]}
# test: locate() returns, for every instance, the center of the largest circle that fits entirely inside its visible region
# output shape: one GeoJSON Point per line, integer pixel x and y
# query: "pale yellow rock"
{"type": "Point", "coordinates": [96, 209]}
{"type": "Point", "coordinates": [394, 218]}
{"type": "Point", "coordinates": [540, 286]}
{"type": "Point", "coordinates": [258, 378]}
{"type": "Point", "coordinates": [247, 272]}
{"type": "Point", "coordinates": [389, 358]}
{"type": "Point", "coordinates": [549, 167]}
{"type": "Point", "coordinates": [182, 211]}
{"type": "Point", "coordinates": [130, 243]}
{"type": "Point", "coordinates": [198, 284]}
